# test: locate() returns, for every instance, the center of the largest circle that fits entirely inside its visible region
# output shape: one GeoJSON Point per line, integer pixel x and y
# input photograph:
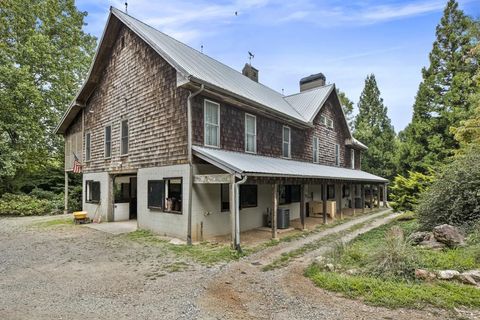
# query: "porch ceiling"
{"type": "Point", "coordinates": [261, 166]}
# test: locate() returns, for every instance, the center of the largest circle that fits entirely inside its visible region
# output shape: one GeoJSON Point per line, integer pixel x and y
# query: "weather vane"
{"type": "Point", "coordinates": [126, 7]}
{"type": "Point", "coordinates": [250, 57]}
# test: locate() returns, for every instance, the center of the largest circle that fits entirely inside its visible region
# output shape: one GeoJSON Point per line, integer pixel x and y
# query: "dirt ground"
{"type": "Point", "coordinates": [67, 272]}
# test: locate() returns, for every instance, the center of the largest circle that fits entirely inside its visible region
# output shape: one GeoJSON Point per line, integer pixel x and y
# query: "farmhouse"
{"type": "Point", "coordinates": [192, 148]}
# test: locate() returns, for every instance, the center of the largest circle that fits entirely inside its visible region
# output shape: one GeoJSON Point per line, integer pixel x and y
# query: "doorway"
{"type": "Point", "coordinates": [125, 192]}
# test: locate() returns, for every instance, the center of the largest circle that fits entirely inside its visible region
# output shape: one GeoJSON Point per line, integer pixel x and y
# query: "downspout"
{"type": "Point", "coordinates": [237, 213]}
{"type": "Point", "coordinates": [189, 147]}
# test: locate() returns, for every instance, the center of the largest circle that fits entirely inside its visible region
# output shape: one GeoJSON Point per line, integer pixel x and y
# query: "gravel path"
{"type": "Point", "coordinates": [67, 272]}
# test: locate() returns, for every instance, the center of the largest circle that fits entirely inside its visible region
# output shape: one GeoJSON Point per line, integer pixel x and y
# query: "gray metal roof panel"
{"type": "Point", "coordinates": [308, 102]}
{"type": "Point", "coordinates": [255, 165]}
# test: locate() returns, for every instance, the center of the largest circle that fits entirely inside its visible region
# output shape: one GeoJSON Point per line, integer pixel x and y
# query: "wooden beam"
{"type": "Point", "coordinates": [302, 205]}
{"type": "Point", "coordinates": [212, 178]}
{"type": "Point", "coordinates": [65, 211]}
{"type": "Point", "coordinates": [274, 210]}
{"type": "Point", "coordinates": [324, 202]}
{"type": "Point", "coordinates": [362, 196]}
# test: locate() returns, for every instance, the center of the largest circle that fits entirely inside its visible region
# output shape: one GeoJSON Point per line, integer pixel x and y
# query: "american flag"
{"type": "Point", "coordinates": [77, 166]}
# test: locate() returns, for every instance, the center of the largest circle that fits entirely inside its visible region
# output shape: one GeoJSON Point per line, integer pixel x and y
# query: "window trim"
{"type": "Point", "coordinates": [337, 154]}
{"type": "Point", "coordinates": [164, 200]}
{"type": "Point", "coordinates": [205, 123]}
{"type": "Point", "coordinates": [330, 124]}
{"type": "Point", "coordinates": [105, 141]}
{"type": "Point", "coordinates": [289, 142]}
{"type": "Point", "coordinates": [254, 135]}
{"type": "Point", "coordinates": [315, 149]}
{"type": "Point", "coordinates": [323, 120]}
{"type": "Point", "coordinates": [121, 137]}
{"type": "Point", "coordinates": [88, 146]}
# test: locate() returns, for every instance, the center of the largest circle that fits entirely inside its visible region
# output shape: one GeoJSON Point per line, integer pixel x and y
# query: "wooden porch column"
{"type": "Point", "coordinates": [274, 210]}
{"type": "Point", "coordinates": [338, 199]}
{"type": "Point", "coordinates": [324, 202]}
{"type": "Point", "coordinates": [302, 206]}
{"type": "Point", "coordinates": [378, 195]}
{"type": "Point", "coordinates": [352, 197]}
{"type": "Point", "coordinates": [371, 196]}
{"type": "Point", "coordinates": [362, 197]}
{"type": "Point", "coordinates": [385, 196]}
{"type": "Point", "coordinates": [65, 211]}
{"type": "Point", "coordinates": [233, 205]}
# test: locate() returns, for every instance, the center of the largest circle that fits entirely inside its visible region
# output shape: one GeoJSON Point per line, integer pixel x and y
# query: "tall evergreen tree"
{"type": "Point", "coordinates": [347, 107]}
{"type": "Point", "coordinates": [44, 55]}
{"type": "Point", "coordinates": [373, 127]}
{"type": "Point", "coordinates": [442, 97]}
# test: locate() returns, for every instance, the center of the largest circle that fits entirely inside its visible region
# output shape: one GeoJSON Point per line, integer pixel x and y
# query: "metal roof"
{"type": "Point", "coordinates": [309, 102]}
{"type": "Point", "coordinates": [255, 165]}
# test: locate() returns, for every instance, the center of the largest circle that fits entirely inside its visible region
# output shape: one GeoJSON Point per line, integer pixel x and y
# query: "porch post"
{"type": "Point", "coordinates": [233, 206]}
{"type": "Point", "coordinates": [352, 197]}
{"type": "Point", "coordinates": [65, 211]}
{"type": "Point", "coordinates": [371, 196]}
{"type": "Point", "coordinates": [362, 197]}
{"type": "Point", "coordinates": [324, 202]}
{"type": "Point", "coordinates": [274, 210]}
{"type": "Point", "coordinates": [338, 199]}
{"type": "Point", "coordinates": [385, 196]}
{"type": "Point", "coordinates": [378, 196]}
{"type": "Point", "coordinates": [302, 205]}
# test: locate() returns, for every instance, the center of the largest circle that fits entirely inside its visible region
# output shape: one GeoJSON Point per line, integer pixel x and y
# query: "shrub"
{"type": "Point", "coordinates": [395, 259]}
{"type": "Point", "coordinates": [405, 191]}
{"type": "Point", "coordinates": [27, 205]}
{"type": "Point", "coordinates": [454, 197]}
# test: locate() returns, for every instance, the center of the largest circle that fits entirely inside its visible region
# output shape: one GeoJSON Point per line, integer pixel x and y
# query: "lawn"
{"type": "Point", "coordinates": [395, 290]}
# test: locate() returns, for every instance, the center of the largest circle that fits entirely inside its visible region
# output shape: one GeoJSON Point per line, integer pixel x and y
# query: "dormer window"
{"type": "Point", "coordinates": [212, 124]}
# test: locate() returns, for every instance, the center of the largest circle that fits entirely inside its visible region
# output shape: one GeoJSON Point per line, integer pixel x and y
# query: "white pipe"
{"type": "Point", "coordinates": [237, 213]}
{"type": "Point", "coordinates": [189, 146]}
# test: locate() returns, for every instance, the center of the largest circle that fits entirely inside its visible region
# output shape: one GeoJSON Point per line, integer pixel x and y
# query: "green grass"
{"type": "Point", "coordinates": [60, 222]}
{"type": "Point", "coordinates": [205, 253]}
{"type": "Point", "coordinates": [396, 294]}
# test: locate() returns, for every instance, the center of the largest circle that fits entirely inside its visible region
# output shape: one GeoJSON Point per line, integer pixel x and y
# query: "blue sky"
{"type": "Point", "coordinates": [346, 40]}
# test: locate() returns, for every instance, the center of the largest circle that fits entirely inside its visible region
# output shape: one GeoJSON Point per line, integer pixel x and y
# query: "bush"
{"type": "Point", "coordinates": [454, 197]}
{"type": "Point", "coordinates": [395, 259]}
{"type": "Point", "coordinates": [74, 198]}
{"type": "Point", "coordinates": [28, 205]}
{"type": "Point", "coordinates": [405, 191]}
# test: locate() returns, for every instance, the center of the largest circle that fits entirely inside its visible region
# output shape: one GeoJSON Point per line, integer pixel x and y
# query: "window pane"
{"type": "Point", "coordinates": [285, 149]}
{"type": "Point", "coordinates": [248, 196]}
{"type": "Point", "coordinates": [156, 193]}
{"type": "Point", "coordinates": [108, 141]}
{"type": "Point", "coordinates": [225, 197]}
{"type": "Point", "coordinates": [286, 134]}
{"type": "Point", "coordinates": [124, 133]}
{"type": "Point", "coordinates": [250, 143]}
{"type": "Point", "coordinates": [88, 146]}
{"type": "Point", "coordinates": [173, 191]}
{"type": "Point", "coordinates": [249, 124]}
{"type": "Point", "coordinates": [211, 113]}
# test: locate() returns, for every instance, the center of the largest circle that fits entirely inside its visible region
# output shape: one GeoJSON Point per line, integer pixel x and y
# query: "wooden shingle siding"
{"type": "Point", "coordinates": [269, 133]}
{"type": "Point", "coordinates": [74, 143]}
{"type": "Point", "coordinates": [140, 86]}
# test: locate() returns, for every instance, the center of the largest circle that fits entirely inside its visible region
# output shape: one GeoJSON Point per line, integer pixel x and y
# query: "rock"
{"type": "Point", "coordinates": [432, 244]}
{"type": "Point", "coordinates": [176, 241]}
{"type": "Point", "coordinates": [424, 274]}
{"type": "Point", "coordinates": [330, 267]}
{"type": "Point", "coordinates": [352, 272]}
{"type": "Point", "coordinates": [475, 274]}
{"type": "Point", "coordinates": [466, 279]}
{"type": "Point", "coordinates": [420, 236]}
{"type": "Point", "coordinates": [447, 274]}
{"type": "Point", "coordinates": [448, 235]}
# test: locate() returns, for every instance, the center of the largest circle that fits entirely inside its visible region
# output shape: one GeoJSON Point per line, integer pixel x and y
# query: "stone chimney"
{"type": "Point", "coordinates": [312, 81]}
{"type": "Point", "coordinates": [250, 72]}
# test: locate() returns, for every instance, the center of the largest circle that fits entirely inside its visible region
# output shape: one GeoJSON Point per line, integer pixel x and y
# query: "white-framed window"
{"type": "Point", "coordinates": [124, 137]}
{"type": "Point", "coordinates": [337, 154]}
{"type": "Point", "coordinates": [250, 133]}
{"type": "Point", "coordinates": [352, 158]}
{"type": "Point", "coordinates": [108, 141]}
{"type": "Point", "coordinates": [211, 123]}
{"type": "Point", "coordinates": [88, 146]}
{"type": "Point", "coordinates": [330, 123]}
{"type": "Point", "coordinates": [315, 143]}
{"type": "Point", "coordinates": [323, 120]}
{"type": "Point", "coordinates": [286, 142]}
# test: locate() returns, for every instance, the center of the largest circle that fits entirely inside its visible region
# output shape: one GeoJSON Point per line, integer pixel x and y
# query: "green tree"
{"type": "Point", "coordinates": [373, 127]}
{"type": "Point", "coordinates": [44, 56]}
{"type": "Point", "coordinates": [441, 98]}
{"type": "Point", "coordinates": [347, 107]}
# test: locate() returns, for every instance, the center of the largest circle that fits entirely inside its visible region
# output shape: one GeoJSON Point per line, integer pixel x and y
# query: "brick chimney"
{"type": "Point", "coordinates": [250, 72]}
{"type": "Point", "coordinates": [312, 81]}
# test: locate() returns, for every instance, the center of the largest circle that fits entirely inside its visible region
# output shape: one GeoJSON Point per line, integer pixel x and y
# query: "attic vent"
{"type": "Point", "coordinates": [312, 81]}
{"type": "Point", "coordinates": [250, 72]}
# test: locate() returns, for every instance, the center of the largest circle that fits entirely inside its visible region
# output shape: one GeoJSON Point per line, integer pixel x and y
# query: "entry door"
{"type": "Point", "coordinates": [133, 198]}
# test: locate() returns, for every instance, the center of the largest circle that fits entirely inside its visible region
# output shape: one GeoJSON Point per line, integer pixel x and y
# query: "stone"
{"type": "Point", "coordinates": [449, 235]}
{"type": "Point", "coordinates": [177, 242]}
{"type": "Point", "coordinates": [423, 274]}
{"type": "Point", "coordinates": [330, 267]}
{"type": "Point", "coordinates": [352, 272]}
{"type": "Point", "coordinates": [420, 236]}
{"type": "Point", "coordinates": [475, 274]}
{"type": "Point", "coordinates": [466, 279]}
{"type": "Point", "coordinates": [432, 244]}
{"type": "Point", "coordinates": [447, 274]}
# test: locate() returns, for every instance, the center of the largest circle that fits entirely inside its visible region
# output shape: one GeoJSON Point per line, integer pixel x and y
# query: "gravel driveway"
{"type": "Point", "coordinates": [67, 272]}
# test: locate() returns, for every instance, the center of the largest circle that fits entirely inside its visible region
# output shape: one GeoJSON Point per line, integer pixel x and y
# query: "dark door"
{"type": "Point", "coordinates": [133, 198]}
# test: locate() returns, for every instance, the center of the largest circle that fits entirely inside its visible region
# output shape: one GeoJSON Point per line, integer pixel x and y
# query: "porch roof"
{"type": "Point", "coordinates": [255, 165]}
